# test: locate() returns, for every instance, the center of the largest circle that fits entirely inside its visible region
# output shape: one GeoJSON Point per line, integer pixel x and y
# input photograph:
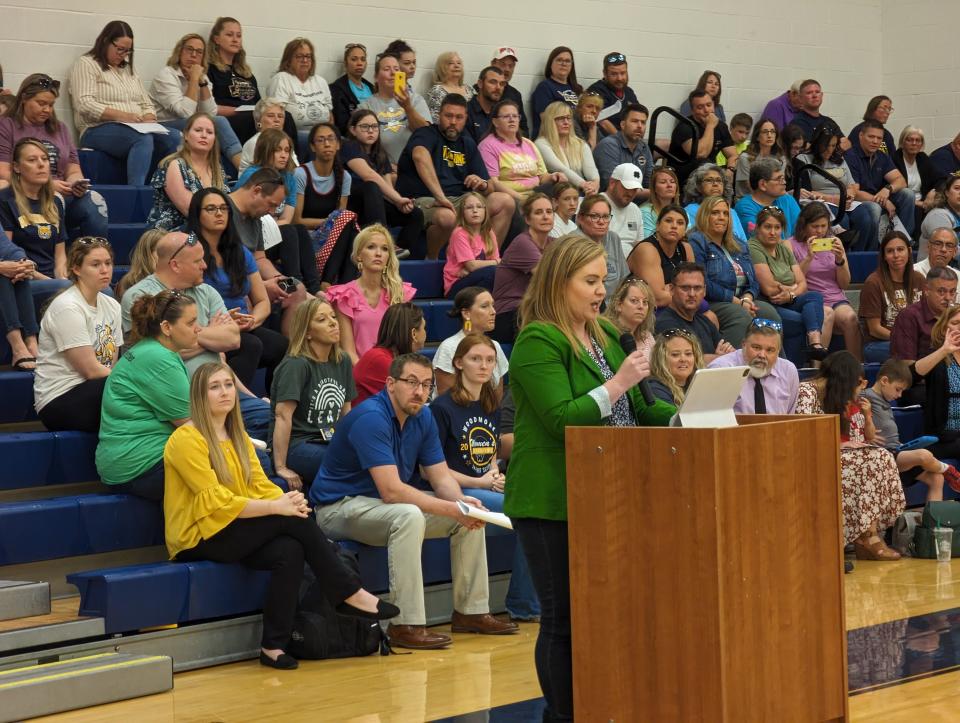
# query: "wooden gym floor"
{"type": "Point", "coordinates": [904, 654]}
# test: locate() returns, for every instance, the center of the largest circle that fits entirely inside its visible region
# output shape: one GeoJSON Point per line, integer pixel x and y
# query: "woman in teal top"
{"type": "Point", "coordinates": [147, 394]}
{"type": "Point", "coordinates": [566, 369]}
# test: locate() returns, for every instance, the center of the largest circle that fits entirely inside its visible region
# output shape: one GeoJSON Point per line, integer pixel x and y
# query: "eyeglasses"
{"type": "Point", "coordinates": [767, 131]}
{"type": "Point", "coordinates": [598, 217]}
{"type": "Point", "coordinates": [324, 140]}
{"type": "Point", "coordinates": [942, 245]}
{"type": "Point", "coordinates": [222, 208]}
{"type": "Point", "coordinates": [510, 117]}
{"type": "Point", "coordinates": [563, 119]}
{"type": "Point", "coordinates": [92, 241]}
{"type": "Point", "coordinates": [303, 56]}
{"type": "Point", "coordinates": [761, 323]}
{"type": "Point", "coordinates": [563, 61]}
{"type": "Point", "coordinates": [192, 51]}
{"type": "Point", "coordinates": [192, 240]}
{"type": "Point", "coordinates": [46, 83]}
{"type": "Point", "coordinates": [615, 59]}
{"type": "Point", "coordinates": [367, 126]}
{"type": "Point", "coordinates": [416, 384]}
{"type": "Point", "coordinates": [351, 46]}
{"type": "Point", "coordinates": [121, 51]}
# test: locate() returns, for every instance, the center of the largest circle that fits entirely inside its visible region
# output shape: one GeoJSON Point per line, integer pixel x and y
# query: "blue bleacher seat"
{"type": "Point", "coordinates": [909, 422]}
{"type": "Point", "coordinates": [16, 393]}
{"type": "Point", "coordinates": [101, 168]}
{"type": "Point", "coordinates": [870, 370]}
{"type": "Point", "coordinates": [426, 277]}
{"type": "Point", "coordinates": [439, 324]}
{"type": "Point", "coordinates": [27, 459]}
{"type": "Point", "coordinates": [218, 591]}
{"type": "Point", "coordinates": [127, 204]}
{"type": "Point", "coordinates": [73, 458]}
{"type": "Point", "coordinates": [862, 264]}
{"type": "Point", "coordinates": [123, 237]}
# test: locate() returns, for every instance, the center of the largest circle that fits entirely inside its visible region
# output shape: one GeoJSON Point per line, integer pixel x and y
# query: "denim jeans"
{"type": "Point", "coordinates": [876, 352]}
{"type": "Point", "coordinates": [807, 309]}
{"type": "Point", "coordinates": [305, 459]}
{"type": "Point", "coordinates": [86, 215]}
{"type": "Point", "coordinates": [16, 307]}
{"type": "Point", "coordinates": [140, 150]}
{"type": "Point", "coordinates": [865, 220]}
{"type": "Point", "coordinates": [522, 601]}
{"type": "Point", "coordinates": [256, 416]}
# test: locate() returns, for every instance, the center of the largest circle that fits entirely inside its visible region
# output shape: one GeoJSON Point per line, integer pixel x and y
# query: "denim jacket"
{"type": "Point", "coordinates": [721, 278]}
{"type": "Point", "coordinates": [9, 251]}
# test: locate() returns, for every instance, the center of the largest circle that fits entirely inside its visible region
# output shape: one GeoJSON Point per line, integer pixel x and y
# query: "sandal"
{"type": "Point", "coordinates": [19, 364]}
{"type": "Point", "coordinates": [877, 550]}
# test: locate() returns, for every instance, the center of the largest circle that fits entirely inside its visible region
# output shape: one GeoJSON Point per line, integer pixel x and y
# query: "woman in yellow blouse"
{"type": "Point", "coordinates": [219, 505]}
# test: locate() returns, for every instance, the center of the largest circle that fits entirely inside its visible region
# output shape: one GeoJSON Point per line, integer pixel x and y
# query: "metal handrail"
{"type": "Point", "coordinates": [842, 206]}
{"type": "Point", "coordinates": [680, 119]}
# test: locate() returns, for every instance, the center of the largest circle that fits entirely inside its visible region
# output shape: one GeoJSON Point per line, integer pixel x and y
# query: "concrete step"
{"type": "Point", "coordinates": [50, 688]}
{"type": "Point", "coordinates": [20, 599]}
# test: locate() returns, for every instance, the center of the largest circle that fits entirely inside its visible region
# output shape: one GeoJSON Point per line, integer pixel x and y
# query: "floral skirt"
{"type": "Point", "coordinates": [872, 491]}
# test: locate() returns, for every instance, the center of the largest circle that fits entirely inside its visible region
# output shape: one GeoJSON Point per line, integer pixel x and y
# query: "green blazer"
{"type": "Point", "coordinates": [550, 382]}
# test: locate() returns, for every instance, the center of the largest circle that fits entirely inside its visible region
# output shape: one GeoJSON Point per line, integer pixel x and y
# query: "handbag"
{"type": "Point", "coordinates": [936, 514]}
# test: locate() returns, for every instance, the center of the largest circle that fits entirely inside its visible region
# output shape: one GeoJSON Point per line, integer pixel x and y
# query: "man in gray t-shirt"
{"type": "Point", "coordinates": [398, 115]}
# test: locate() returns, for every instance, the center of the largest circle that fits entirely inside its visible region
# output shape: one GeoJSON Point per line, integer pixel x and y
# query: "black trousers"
{"type": "Point", "coordinates": [77, 409]}
{"type": "Point", "coordinates": [367, 201]}
{"type": "Point", "coordinates": [295, 256]}
{"type": "Point", "coordinates": [261, 347]}
{"type": "Point", "coordinates": [546, 548]}
{"type": "Point", "coordinates": [280, 545]}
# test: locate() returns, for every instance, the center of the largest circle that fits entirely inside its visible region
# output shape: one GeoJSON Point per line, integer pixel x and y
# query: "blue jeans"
{"type": "Point", "coordinates": [256, 416]}
{"type": "Point", "coordinates": [866, 222]}
{"type": "Point", "coordinates": [16, 307]}
{"type": "Point", "coordinates": [522, 601]}
{"type": "Point", "coordinates": [305, 459]}
{"type": "Point", "coordinates": [230, 145]}
{"type": "Point", "coordinates": [876, 352]}
{"type": "Point", "coordinates": [141, 150]}
{"type": "Point", "coordinates": [482, 277]}
{"type": "Point", "coordinates": [807, 309]}
{"type": "Point", "coordinates": [86, 215]}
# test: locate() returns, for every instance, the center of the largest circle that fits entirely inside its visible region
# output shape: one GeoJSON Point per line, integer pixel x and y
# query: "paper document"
{"type": "Point", "coordinates": [609, 111]}
{"type": "Point", "coordinates": [494, 518]}
{"type": "Point", "coordinates": [148, 128]}
{"type": "Point", "coordinates": [240, 108]}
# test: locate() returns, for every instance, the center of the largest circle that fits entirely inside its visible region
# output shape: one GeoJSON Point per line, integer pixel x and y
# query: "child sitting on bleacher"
{"type": "Point", "coordinates": [915, 465]}
{"type": "Point", "coordinates": [472, 253]}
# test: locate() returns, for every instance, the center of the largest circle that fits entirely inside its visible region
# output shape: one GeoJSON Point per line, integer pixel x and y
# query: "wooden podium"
{"type": "Point", "coordinates": [706, 572]}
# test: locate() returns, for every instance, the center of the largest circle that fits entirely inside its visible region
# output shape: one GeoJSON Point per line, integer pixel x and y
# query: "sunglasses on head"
{"type": "Point", "coordinates": [615, 59]}
{"type": "Point", "coordinates": [192, 240]}
{"type": "Point", "coordinates": [670, 333]}
{"type": "Point", "coordinates": [761, 323]}
{"type": "Point", "coordinates": [350, 46]}
{"type": "Point", "coordinates": [46, 83]}
{"type": "Point", "coordinates": [92, 241]}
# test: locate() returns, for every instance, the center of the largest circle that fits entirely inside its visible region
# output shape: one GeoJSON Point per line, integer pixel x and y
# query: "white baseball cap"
{"type": "Point", "coordinates": [629, 175]}
{"type": "Point", "coordinates": [505, 52]}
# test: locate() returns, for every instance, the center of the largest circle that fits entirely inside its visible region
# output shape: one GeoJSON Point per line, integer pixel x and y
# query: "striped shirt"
{"type": "Point", "coordinates": [94, 90]}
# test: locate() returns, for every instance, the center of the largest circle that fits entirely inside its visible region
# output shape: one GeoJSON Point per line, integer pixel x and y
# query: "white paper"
{"type": "Point", "coordinates": [148, 128]}
{"type": "Point", "coordinates": [609, 111]}
{"type": "Point", "coordinates": [271, 232]}
{"type": "Point", "coordinates": [240, 108]}
{"type": "Point", "coordinates": [494, 518]}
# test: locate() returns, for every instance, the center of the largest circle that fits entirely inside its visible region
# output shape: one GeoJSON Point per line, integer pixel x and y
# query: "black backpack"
{"type": "Point", "coordinates": [320, 632]}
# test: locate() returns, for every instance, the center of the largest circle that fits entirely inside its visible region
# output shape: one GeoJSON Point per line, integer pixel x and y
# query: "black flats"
{"type": "Point", "coordinates": [283, 661]}
{"type": "Point", "coordinates": [385, 611]}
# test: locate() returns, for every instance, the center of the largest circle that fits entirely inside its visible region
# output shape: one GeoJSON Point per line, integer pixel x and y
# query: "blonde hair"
{"type": "Point", "coordinates": [546, 297]}
{"type": "Point", "coordinates": [142, 263]}
{"type": "Point", "coordinates": [660, 366]}
{"type": "Point", "coordinates": [174, 60]}
{"type": "Point", "coordinates": [654, 201]}
{"type": "Point", "coordinates": [572, 154]}
{"type": "Point", "coordinates": [290, 50]}
{"type": "Point", "coordinates": [213, 155]}
{"type": "Point", "coordinates": [440, 70]}
{"type": "Point", "coordinates": [302, 318]}
{"type": "Point", "coordinates": [486, 226]}
{"type": "Point", "coordinates": [391, 280]}
{"type": "Point", "coordinates": [590, 99]}
{"type": "Point", "coordinates": [645, 329]}
{"type": "Point", "coordinates": [939, 331]}
{"type": "Point", "coordinates": [703, 218]}
{"type": "Point", "coordinates": [203, 422]}
{"type": "Point", "coordinates": [48, 206]}
{"type": "Point", "coordinates": [213, 52]}
{"type": "Point", "coordinates": [268, 143]}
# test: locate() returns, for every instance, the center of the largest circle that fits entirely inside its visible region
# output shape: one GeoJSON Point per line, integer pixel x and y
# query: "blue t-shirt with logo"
{"type": "Point", "coordinates": [35, 234]}
{"type": "Point", "coordinates": [452, 160]}
{"type": "Point", "coordinates": [469, 435]}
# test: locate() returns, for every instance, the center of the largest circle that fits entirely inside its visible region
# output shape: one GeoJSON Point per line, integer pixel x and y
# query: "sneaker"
{"type": "Point", "coordinates": [952, 477]}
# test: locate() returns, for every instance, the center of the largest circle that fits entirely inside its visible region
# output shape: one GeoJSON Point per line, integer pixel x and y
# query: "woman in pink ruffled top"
{"type": "Point", "coordinates": [361, 304]}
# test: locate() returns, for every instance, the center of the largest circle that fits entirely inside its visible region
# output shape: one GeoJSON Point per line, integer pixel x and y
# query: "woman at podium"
{"type": "Point", "coordinates": [566, 368]}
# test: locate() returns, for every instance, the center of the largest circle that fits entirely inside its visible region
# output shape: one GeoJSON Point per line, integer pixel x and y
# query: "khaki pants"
{"type": "Point", "coordinates": [402, 529]}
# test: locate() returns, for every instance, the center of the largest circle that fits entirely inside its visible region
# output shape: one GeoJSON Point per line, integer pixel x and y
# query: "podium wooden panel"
{"type": "Point", "coordinates": [707, 572]}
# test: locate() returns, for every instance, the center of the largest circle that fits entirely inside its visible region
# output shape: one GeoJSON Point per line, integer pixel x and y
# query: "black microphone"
{"type": "Point", "coordinates": [629, 345]}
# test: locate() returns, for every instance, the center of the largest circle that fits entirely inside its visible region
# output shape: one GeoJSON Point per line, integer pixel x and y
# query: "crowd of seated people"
{"type": "Point", "coordinates": [257, 260]}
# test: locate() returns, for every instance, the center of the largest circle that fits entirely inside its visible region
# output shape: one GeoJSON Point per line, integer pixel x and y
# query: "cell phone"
{"type": "Point", "coordinates": [287, 285]}
{"type": "Point", "coordinates": [399, 82]}
{"type": "Point", "coordinates": [821, 244]}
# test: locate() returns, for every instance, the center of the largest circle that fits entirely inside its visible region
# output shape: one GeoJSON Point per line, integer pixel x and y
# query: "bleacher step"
{"type": "Point", "coordinates": [19, 599]}
{"type": "Point", "coordinates": [80, 683]}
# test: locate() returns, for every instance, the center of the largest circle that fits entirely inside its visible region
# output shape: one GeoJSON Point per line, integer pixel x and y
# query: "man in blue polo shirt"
{"type": "Point", "coordinates": [362, 492]}
{"type": "Point", "coordinates": [627, 146]}
{"type": "Point", "coordinates": [768, 187]}
{"type": "Point", "coordinates": [946, 160]}
{"type": "Point", "coordinates": [881, 184]}
{"type": "Point", "coordinates": [439, 164]}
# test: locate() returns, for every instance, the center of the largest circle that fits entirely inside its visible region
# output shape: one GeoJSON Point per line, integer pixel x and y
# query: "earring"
{"type": "Point", "coordinates": [360, 266]}
{"type": "Point", "coordinates": [467, 326]}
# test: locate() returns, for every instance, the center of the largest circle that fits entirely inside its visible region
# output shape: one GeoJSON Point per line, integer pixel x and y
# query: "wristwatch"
{"type": "Point", "coordinates": [203, 83]}
{"type": "Point", "coordinates": [841, 262]}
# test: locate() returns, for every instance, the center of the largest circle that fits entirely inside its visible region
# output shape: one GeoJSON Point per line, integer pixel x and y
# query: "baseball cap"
{"type": "Point", "coordinates": [629, 175]}
{"type": "Point", "coordinates": [505, 52]}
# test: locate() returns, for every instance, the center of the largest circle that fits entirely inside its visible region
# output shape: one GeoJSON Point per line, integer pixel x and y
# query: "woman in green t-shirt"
{"type": "Point", "coordinates": [783, 284]}
{"type": "Point", "coordinates": [147, 394]}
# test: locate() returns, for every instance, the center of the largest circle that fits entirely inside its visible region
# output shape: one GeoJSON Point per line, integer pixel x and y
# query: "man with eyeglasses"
{"type": "Point", "coordinates": [627, 146]}
{"type": "Point", "coordinates": [941, 253]}
{"type": "Point", "coordinates": [615, 91]}
{"type": "Point", "coordinates": [439, 164]}
{"type": "Point", "coordinates": [910, 338]}
{"type": "Point", "coordinates": [506, 59]}
{"type": "Point", "coordinates": [774, 381]}
{"type": "Point", "coordinates": [490, 90]}
{"type": "Point", "coordinates": [768, 187]}
{"type": "Point", "coordinates": [368, 490]}
{"type": "Point", "coordinates": [687, 292]}
{"type": "Point", "coordinates": [713, 137]}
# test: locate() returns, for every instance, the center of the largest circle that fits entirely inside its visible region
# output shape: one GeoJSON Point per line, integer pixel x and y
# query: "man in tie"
{"type": "Point", "coordinates": [773, 383]}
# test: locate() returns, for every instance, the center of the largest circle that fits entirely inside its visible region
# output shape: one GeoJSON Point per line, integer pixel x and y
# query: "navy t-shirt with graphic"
{"type": "Point", "coordinates": [36, 235]}
{"type": "Point", "coordinates": [452, 160]}
{"type": "Point", "coordinates": [469, 436]}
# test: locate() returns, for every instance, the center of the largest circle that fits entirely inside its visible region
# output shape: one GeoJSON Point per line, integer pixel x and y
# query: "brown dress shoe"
{"type": "Point", "coordinates": [483, 623]}
{"type": "Point", "coordinates": [416, 637]}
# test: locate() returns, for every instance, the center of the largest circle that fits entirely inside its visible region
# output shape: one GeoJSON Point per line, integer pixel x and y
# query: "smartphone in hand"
{"type": "Point", "coordinates": [399, 83]}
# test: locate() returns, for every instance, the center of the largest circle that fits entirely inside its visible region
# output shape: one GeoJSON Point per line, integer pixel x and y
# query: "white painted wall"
{"type": "Point", "coordinates": [921, 67]}
{"type": "Point", "coordinates": [759, 46]}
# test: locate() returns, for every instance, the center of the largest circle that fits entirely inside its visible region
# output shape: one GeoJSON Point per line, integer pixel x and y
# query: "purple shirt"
{"type": "Point", "coordinates": [821, 274]}
{"type": "Point", "coordinates": [780, 386]}
{"type": "Point", "coordinates": [910, 338]}
{"type": "Point", "coordinates": [514, 271]}
{"type": "Point", "coordinates": [780, 111]}
{"type": "Point", "coordinates": [59, 145]}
